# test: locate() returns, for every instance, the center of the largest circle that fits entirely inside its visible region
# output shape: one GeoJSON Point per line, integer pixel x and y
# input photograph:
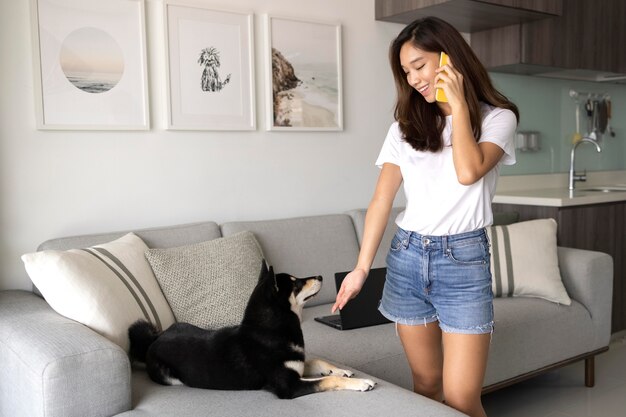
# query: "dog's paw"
{"type": "Point", "coordinates": [366, 385]}
{"type": "Point", "coordinates": [339, 372]}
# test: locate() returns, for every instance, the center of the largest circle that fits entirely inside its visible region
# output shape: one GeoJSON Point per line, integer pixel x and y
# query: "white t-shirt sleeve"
{"type": "Point", "coordinates": [390, 151]}
{"type": "Point", "coordinates": [499, 127]}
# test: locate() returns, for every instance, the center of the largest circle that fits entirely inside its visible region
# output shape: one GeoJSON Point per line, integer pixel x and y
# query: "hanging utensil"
{"type": "Point", "coordinates": [592, 113]}
{"type": "Point", "coordinates": [589, 109]}
{"type": "Point", "coordinates": [602, 117]}
{"type": "Point", "coordinates": [607, 103]}
{"type": "Point", "coordinates": [577, 136]}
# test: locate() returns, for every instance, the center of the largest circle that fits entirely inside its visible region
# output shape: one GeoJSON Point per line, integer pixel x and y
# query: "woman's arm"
{"type": "Point", "coordinates": [376, 219]}
{"type": "Point", "coordinates": [472, 160]}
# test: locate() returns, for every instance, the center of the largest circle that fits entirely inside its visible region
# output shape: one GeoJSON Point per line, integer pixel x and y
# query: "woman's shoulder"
{"type": "Point", "coordinates": [490, 113]}
{"type": "Point", "coordinates": [394, 131]}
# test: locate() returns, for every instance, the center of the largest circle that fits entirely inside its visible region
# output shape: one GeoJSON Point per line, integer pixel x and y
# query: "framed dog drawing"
{"type": "Point", "coordinates": [210, 68]}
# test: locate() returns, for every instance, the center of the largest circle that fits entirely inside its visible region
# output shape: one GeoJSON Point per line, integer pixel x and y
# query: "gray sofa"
{"type": "Point", "coordinates": [52, 366]}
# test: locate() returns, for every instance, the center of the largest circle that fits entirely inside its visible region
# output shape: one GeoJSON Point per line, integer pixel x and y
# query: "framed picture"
{"type": "Point", "coordinates": [303, 67]}
{"type": "Point", "coordinates": [90, 64]}
{"type": "Point", "coordinates": [210, 68]}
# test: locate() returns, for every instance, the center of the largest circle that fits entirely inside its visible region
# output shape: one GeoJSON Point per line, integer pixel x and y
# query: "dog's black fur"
{"type": "Point", "coordinates": [266, 351]}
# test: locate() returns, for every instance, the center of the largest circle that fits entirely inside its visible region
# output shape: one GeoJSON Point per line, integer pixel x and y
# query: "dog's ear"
{"type": "Point", "coordinates": [272, 277]}
{"type": "Point", "coordinates": [264, 271]}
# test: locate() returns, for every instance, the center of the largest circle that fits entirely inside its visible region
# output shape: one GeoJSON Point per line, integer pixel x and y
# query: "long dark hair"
{"type": "Point", "coordinates": [414, 114]}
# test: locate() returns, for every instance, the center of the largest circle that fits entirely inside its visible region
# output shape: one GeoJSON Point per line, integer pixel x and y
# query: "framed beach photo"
{"type": "Point", "coordinates": [210, 68]}
{"type": "Point", "coordinates": [90, 64]}
{"type": "Point", "coordinates": [304, 82]}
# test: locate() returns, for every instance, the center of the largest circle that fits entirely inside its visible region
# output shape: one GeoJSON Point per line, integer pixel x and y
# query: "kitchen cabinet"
{"type": "Point", "coordinates": [468, 15]}
{"type": "Point", "coordinates": [585, 42]}
{"type": "Point", "coordinates": [599, 227]}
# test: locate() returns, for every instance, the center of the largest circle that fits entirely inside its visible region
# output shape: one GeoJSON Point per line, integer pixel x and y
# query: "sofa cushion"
{"type": "Point", "coordinates": [524, 261]}
{"type": "Point", "coordinates": [151, 399]}
{"type": "Point", "coordinates": [106, 287]}
{"type": "Point", "coordinates": [306, 246]}
{"type": "Point", "coordinates": [355, 347]}
{"type": "Point", "coordinates": [531, 333]}
{"type": "Point", "coordinates": [208, 284]}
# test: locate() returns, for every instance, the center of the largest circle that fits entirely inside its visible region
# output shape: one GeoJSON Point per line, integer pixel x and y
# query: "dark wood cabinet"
{"type": "Point", "coordinates": [599, 227]}
{"type": "Point", "coordinates": [469, 15]}
{"type": "Point", "coordinates": [588, 36]}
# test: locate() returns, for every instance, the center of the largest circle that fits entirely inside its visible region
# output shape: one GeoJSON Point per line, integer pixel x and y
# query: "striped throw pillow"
{"type": "Point", "coordinates": [105, 287]}
{"type": "Point", "coordinates": [524, 261]}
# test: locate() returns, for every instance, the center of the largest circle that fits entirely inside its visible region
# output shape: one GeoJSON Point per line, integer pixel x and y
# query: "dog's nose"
{"type": "Point", "coordinates": [319, 278]}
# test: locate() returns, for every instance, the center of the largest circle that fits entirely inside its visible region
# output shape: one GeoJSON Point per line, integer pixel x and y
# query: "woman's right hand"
{"type": "Point", "coordinates": [350, 287]}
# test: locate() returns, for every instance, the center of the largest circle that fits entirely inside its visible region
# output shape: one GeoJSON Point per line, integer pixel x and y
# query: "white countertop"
{"type": "Point", "coordinates": [559, 197]}
{"type": "Point", "coordinates": [551, 189]}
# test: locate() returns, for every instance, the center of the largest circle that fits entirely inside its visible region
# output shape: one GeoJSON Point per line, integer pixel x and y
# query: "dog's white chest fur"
{"type": "Point", "coordinates": [297, 366]}
{"type": "Point", "coordinates": [295, 306]}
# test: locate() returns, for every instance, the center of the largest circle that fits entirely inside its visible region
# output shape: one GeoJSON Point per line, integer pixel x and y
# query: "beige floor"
{"type": "Point", "coordinates": [562, 393]}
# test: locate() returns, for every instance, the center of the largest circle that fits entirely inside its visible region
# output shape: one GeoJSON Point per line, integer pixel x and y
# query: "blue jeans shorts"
{"type": "Point", "coordinates": [440, 278]}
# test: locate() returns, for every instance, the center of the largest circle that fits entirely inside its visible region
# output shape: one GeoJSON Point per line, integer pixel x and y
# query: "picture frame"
{"type": "Point", "coordinates": [210, 67]}
{"type": "Point", "coordinates": [90, 64]}
{"type": "Point", "coordinates": [303, 75]}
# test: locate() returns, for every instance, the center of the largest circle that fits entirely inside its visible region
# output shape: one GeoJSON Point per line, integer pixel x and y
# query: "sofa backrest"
{"type": "Point", "coordinates": [306, 246]}
{"type": "Point", "coordinates": [158, 237]}
{"type": "Point", "coordinates": [302, 246]}
{"type": "Point", "coordinates": [358, 218]}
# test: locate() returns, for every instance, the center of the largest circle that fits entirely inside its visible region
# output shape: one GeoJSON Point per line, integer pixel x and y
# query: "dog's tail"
{"type": "Point", "coordinates": [141, 335]}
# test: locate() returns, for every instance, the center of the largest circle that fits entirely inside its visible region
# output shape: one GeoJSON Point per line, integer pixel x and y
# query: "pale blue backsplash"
{"type": "Point", "coordinates": [545, 106]}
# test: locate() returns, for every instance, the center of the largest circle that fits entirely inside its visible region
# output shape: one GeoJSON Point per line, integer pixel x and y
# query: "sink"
{"type": "Point", "coordinates": [608, 188]}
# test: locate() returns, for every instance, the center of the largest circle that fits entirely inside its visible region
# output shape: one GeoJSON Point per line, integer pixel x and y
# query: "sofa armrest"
{"type": "Point", "coordinates": [54, 366]}
{"type": "Point", "coordinates": [588, 279]}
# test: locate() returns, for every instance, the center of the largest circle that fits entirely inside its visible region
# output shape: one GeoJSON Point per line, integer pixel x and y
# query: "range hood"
{"type": "Point", "coordinates": [586, 75]}
{"type": "Point", "coordinates": [562, 73]}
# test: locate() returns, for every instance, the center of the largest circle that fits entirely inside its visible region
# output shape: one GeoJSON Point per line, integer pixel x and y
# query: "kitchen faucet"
{"type": "Point", "coordinates": [573, 177]}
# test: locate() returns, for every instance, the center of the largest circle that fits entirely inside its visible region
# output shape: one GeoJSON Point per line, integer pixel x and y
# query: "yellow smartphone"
{"type": "Point", "coordinates": [440, 95]}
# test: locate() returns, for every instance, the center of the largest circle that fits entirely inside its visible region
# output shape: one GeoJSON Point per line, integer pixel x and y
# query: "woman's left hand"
{"type": "Point", "coordinates": [451, 83]}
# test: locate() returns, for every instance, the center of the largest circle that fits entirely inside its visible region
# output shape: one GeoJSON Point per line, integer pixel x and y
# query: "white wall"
{"type": "Point", "coordinates": [59, 183]}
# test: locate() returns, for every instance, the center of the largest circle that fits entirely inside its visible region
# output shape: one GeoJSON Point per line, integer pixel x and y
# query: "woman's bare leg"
{"type": "Point", "coordinates": [422, 345]}
{"type": "Point", "coordinates": [465, 361]}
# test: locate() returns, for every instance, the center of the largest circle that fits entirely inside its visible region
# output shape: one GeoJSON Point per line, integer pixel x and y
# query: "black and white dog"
{"type": "Point", "coordinates": [266, 351]}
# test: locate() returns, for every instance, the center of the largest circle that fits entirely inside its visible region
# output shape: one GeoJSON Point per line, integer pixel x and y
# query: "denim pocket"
{"type": "Point", "coordinates": [400, 240]}
{"type": "Point", "coordinates": [396, 243]}
{"type": "Point", "coordinates": [474, 253]}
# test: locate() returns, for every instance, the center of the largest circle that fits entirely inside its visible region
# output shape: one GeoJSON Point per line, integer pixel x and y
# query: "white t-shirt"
{"type": "Point", "coordinates": [437, 204]}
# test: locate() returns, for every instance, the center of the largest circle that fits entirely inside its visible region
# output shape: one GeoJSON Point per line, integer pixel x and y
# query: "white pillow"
{"type": "Point", "coordinates": [105, 287]}
{"type": "Point", "coordinates": [524, 261]}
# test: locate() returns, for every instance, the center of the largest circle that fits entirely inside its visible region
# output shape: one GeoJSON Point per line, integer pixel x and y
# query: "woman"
{"type": "Point", "coordinates": [448, 154]}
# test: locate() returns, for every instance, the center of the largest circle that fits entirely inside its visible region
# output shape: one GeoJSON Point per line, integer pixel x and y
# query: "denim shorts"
{"type": "Point", "coordinates": [440, 278]}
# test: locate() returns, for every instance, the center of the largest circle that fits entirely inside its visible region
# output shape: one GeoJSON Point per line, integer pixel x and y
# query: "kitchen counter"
{"type": "Point", "coordinates": [562, 197]}
{"type": "Point", "coordinates": [550, 190]}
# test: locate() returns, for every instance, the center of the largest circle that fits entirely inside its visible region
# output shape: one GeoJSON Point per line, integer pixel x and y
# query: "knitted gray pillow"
{"type": "Point", "coordinates": [208, 284]}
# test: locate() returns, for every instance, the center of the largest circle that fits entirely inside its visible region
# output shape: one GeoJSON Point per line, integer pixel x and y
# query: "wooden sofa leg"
{"type": "Point", "coordinates": [590, 379]}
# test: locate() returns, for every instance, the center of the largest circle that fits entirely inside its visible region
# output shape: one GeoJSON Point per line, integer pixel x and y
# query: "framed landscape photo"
{"type": "Point", "coordinates": [210, 68]}
{"type": "Point", "coordinates": [304, 81]}
{"type": "Point", "coordinates": [90, 64]}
